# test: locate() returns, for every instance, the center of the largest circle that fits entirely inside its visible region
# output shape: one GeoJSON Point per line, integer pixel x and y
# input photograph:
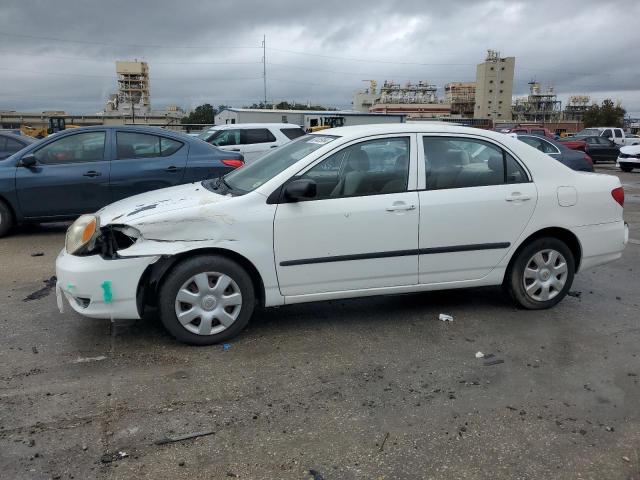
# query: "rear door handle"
{"type": "Point", "coordinates": [517, 197]}
{"type": "Point", "coordinates": [274, 146]}
{"type": "Point", "coordinates": [171, 169]}
{"type": "Point", "coordinates": [396, 207]}
{"type": "Point", "coordinates": [91, 173]}
{"type": "Point", "coordinates": [234, 149]}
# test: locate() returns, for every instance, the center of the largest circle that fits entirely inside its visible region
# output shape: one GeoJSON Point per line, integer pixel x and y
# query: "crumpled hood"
{"type": "Point", "coordinates": [630, 149]}
{"type": "Point", "coordinates": [158, 202]}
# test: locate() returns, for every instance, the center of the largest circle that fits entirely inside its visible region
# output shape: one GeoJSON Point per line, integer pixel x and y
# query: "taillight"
{"type": "Point", "coordinates": [233, 162]}
{"type": "Point", "coordinates": [618, 195]}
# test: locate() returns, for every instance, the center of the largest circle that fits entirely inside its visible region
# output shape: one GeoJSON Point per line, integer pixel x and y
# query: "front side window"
{"type": "Point", "coordinates": [601, 141]}
{"type": "Point", "coordinates": [607, 133]}
{"type": "Point", "coordinates": [250, 177]}
{"type": "Point", "coordinates": [292, 133]}
{"type": "Point", "coordinates": [78, 148]}
{"type": "Point", "coordinates": [452, 162]}
{"type": "Point", "coordinates": [618, 133]}
{"type": "Point", "coordinates": [225, 138]}
{"type": "Point", "coordinates": [143, 145]}
{"type": "Point", "coordinates": [258, 135]}
{"type": "Point", "coordinates": [369, 168]}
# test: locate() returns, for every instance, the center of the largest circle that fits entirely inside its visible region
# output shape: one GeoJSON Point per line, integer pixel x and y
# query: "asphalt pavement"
{"type": "Point", "coordinates": [373, 388]}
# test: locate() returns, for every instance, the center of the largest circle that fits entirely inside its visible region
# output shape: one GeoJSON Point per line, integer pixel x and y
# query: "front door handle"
{"type": "Point", "coordinates": [517, 197]}
{"type": "Point", "coordinates": [171, 169]}
{"type": "Point", "coordinates": [400, 206]}
{"type": "Point", "coordinates": [91, 173]}
{"type": "Point", "coordinates": [234, 149]}
{"type": "Point", "coordinates": [274, 146]}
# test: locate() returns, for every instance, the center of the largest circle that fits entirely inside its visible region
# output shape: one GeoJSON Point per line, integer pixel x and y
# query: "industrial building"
{"type": "Point", "coordinates": [462, 98]}
{"type": "Point", "coordinates": [305, 118]}
{"type": "Point", "coordinates": [494, 87]}
{"type": "Point", "coordinates": [538, 106]}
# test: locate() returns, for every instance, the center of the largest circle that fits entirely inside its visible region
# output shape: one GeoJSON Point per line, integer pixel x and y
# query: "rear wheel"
{"type": "Point", "coordinates": [206, 300]}
{"type": "Point", "coordinates": [542, 274]}
{"type": "Point", "coordinates": [6, 219]}
{"type": "Point", "coordinates": [626, 169]}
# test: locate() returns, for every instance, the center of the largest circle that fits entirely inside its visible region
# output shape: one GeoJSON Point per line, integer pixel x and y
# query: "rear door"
{"type": "Point", "coordinates": [71, 177]}
{"type": "Point", "coordinates": [256, 142]}
{"type": "Point", "coordinates": [475, 201]}
{"type": "Point", "coordinates": [144, 162]}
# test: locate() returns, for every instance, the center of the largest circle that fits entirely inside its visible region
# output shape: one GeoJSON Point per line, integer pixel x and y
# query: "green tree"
{"type": "Point", "coordinates": [201, 114]}
{"type": "Point", "coordinates": [608, 114]}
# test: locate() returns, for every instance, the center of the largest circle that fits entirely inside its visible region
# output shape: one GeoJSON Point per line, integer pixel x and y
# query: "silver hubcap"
{"type": "Point", "coordinates": [545, 275]}
{"type": "Point", "coordinates": [208, 303]}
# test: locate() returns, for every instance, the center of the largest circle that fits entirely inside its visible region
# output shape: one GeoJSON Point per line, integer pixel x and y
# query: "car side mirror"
{"type": "Point", "coordinates": [28, 161]}
{"type": "Point", "coordinates": [301, 189]}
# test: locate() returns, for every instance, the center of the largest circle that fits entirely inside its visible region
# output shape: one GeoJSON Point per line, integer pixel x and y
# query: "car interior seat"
{"type": "Point", "coordinates": [353, 180]}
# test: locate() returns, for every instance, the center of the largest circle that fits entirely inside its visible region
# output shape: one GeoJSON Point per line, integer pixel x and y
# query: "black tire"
{"type": "Point", "coordinates": [6, 219]}
{"type": "Point", "coordinates": [626, 169]}
{"type": "Point", "coordinates": [515, 281]}
{"type": "Point", "coordinates": [181, 273]}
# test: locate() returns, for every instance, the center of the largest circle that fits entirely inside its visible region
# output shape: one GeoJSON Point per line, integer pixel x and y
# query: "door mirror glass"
{"type": "Point", "coordinates": [28, 161]}
{"type": "Point", "coordinates": [301, 189]}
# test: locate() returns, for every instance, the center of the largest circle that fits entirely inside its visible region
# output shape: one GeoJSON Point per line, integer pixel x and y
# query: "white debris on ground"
{"type": "Point", "coordinates": [445, 317]}
{"type": "Point", "coordinates": [479, 355]}
{"type": "Point", "coordinates": [89, 359]}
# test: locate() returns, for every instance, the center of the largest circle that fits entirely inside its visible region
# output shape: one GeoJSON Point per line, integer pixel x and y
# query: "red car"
{"type": "Point", "coordinates": [543, 132]}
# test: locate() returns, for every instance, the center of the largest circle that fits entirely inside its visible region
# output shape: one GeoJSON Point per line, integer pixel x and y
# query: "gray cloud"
{"type": "Point", "coordinates": [579, 47]}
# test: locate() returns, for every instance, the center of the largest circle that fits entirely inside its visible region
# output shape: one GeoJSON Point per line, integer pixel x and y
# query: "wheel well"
{"type": "Point", "coordinates": [154, 275]}
{"type": "Point", "coordinates": [556, 232]}
{"type": "Point", "coordinates": [9, 206]}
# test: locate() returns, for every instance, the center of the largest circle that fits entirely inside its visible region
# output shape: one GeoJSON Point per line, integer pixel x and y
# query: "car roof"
{"type": "Point", "coordinates": [19, 138]}
{"type": "Point", "coordinates": [357, 131]}
{"type": "Point", "coordinates": [227, 126]}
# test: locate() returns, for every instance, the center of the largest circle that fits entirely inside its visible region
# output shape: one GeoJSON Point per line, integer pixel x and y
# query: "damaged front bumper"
{"type": "Point", "coordinates": [100, 288]}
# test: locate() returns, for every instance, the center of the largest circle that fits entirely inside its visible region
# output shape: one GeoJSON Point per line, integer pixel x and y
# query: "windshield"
{"type": "Point", "coordinates": [251, 176]}
{"type": "Point", "coordinates": [588, 132]}
{"type": "Point", "coordinates": [207, 134]}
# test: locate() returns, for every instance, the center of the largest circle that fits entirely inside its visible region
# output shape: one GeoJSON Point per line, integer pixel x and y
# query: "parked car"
{"type": "Point", "coordinates": [81, 170]}
{"type": "Point", "coordinates": [617, 135]}
{"type": "Point", "coordinates": [539, 131]}
{"type": "Point", "coordinates": [10, 143]}
{"type": "Point", "coordinates": [601, 149]}
{"type": "Point", "coordinates": [629, 158]}
{"type": "Point", "coordinates": [571, 158]}
{"type": "Point", "coordinates": [251, 139]}
{"type": "Point", "coordinates": [346, 212]}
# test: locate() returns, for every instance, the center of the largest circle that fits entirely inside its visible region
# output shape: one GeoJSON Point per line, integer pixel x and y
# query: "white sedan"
{"type": "Point", "coordinates": [346, 212]}
{"type": "Point", "coordinates": [629, 158]}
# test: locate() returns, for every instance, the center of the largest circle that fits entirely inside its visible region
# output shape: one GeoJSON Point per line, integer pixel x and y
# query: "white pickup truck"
{"type": "Point", "coordinates": [617, 135]}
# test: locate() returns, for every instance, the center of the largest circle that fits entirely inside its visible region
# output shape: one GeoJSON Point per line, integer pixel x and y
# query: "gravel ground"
{"type": "Point", "coordinates": [374, 388]}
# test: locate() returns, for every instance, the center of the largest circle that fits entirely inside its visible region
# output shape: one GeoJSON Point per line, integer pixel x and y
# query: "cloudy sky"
{"type": "Point", "coordinates": [60, 54]}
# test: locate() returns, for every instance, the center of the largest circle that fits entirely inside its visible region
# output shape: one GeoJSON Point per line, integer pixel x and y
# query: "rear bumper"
{"type": "Point", "coordinates": [99, 288]}
{"type": "Point", "coordinates": [602, 243]}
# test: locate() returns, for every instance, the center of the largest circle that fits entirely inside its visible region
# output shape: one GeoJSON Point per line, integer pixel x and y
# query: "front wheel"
{"type": "Point", "coordinates": [542, 274]}
{"type": "Point", "coordinates": [6, 219]}
{"type": "Point", "coordinates": [206, 300]}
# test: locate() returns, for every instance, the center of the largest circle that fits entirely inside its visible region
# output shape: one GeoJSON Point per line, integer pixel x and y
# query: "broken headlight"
{"type": "Point", "coordinates": [81, 233]}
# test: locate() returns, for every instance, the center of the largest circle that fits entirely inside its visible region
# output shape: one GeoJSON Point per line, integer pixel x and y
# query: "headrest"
{"type": "Point", "coordinates": [457, 158]}
{"type": "Point", "coordinates": [359, 160]}
{"type": "Point", "coordinates": [495, 162]}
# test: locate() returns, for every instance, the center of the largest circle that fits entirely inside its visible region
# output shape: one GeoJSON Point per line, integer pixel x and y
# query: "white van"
{"type": "Point", "coordinates": [251, 139]}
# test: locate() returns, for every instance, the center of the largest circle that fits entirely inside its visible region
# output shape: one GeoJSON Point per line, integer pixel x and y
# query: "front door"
{"type": "Point", "coordinates": [257, 142]}
{"type": "Point", "coordinates": [146, 162]}
{"type": "Point", "coordinates": [476, 200]}
{"type": "Point", "coordinates": [71, 177]}
{"type": "Point", "coordinates": [361, 230]}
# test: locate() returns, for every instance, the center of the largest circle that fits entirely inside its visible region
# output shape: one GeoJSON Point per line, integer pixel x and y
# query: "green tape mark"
{"type": "Point", "coordinates": [70, 286]}
{"type": "Point", "coordinates": [107, 294]}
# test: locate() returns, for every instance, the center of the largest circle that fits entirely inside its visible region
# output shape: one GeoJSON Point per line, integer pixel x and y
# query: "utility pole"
{"type": "Point", "coordinates": [264, 67]}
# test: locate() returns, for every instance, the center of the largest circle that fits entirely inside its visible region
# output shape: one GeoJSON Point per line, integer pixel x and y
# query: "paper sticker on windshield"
{"type": "Point", "coordinates": [320, 140]}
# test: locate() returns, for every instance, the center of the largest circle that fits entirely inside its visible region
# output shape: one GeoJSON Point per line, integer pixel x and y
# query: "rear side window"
{"type": "Point", "coordinates": [452, 162]}
{"type": "Point", "coordinates": [292, 133]}
{"type": "Point", "coordinates": [258, 135]}
{"type": "Point", "coordinates": [540, 144]}
{"type": "Point", "coordinates": [143, 145]}
{"type": "Point", "coordinates": [538, 132]}
{"type": "Point", "coordinates": [78, 148]}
